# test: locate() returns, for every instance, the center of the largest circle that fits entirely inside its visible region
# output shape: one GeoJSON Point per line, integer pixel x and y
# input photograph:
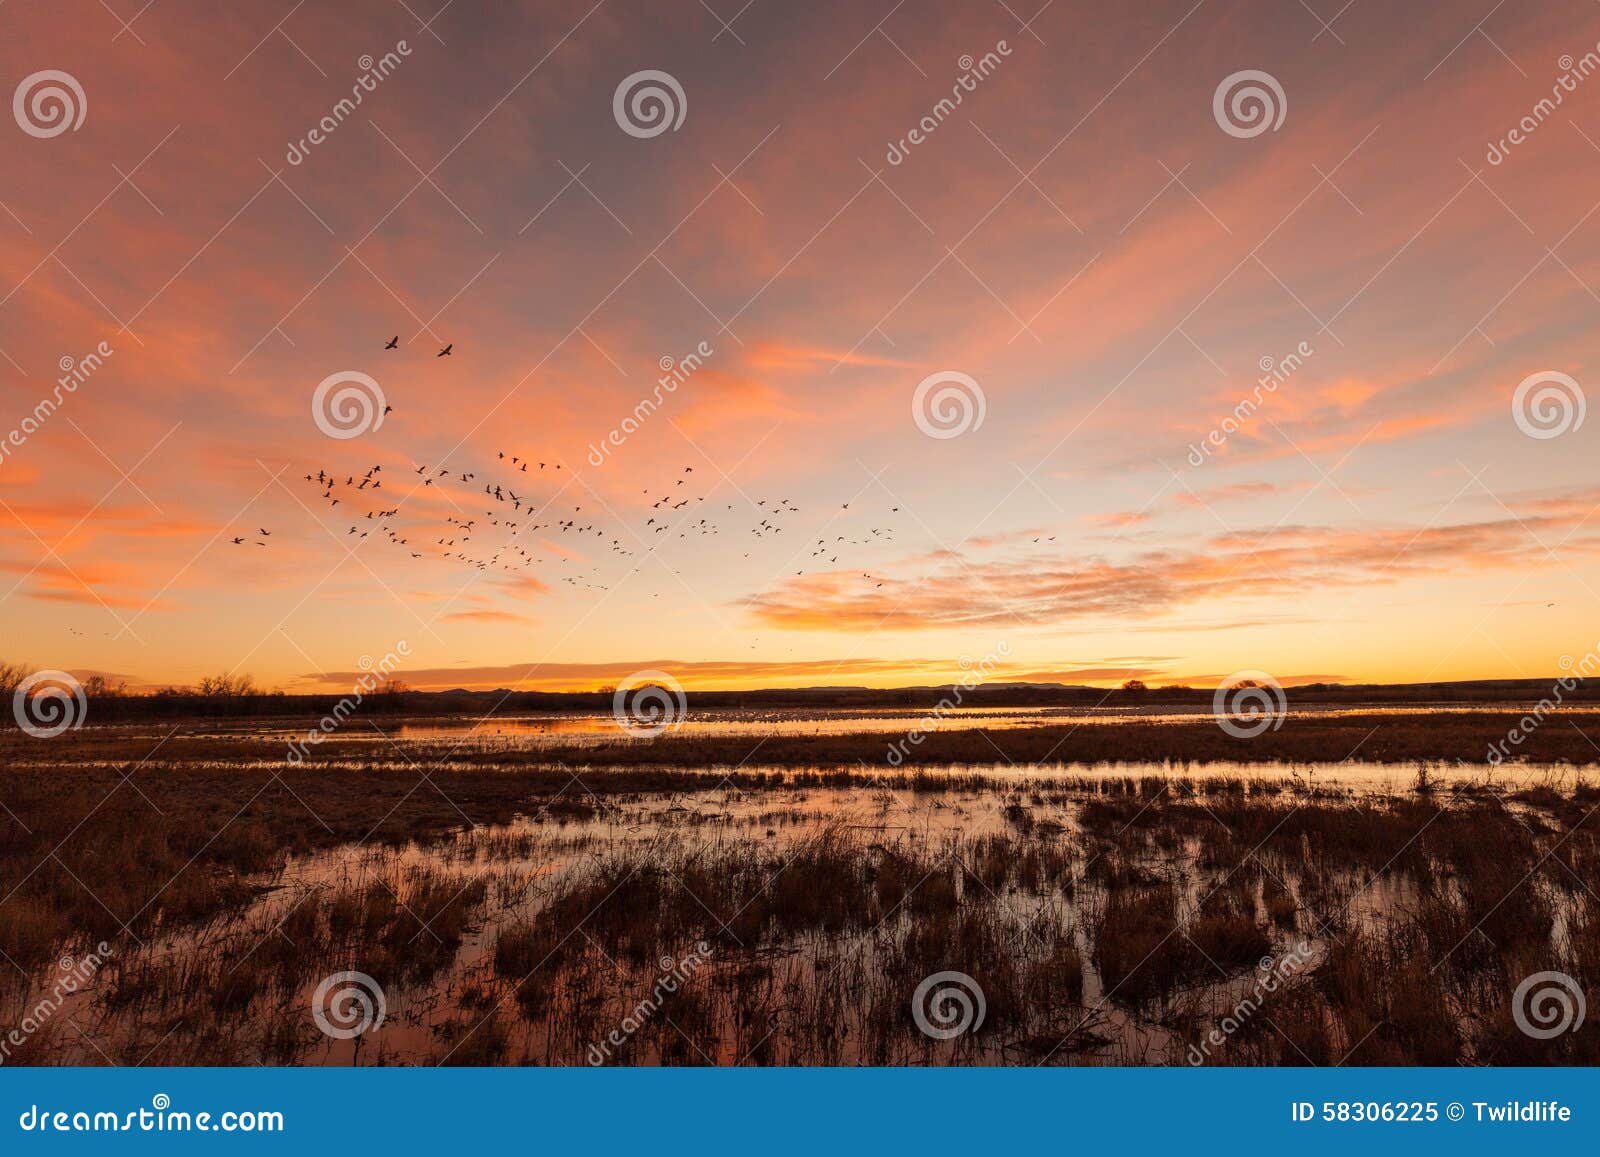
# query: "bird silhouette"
{"type": "Point", "coordinates": [393, 342]}
{"type": "Point", "coordinates": [462, 542]}
{"type": "Point", "coordinates": [444, 353]}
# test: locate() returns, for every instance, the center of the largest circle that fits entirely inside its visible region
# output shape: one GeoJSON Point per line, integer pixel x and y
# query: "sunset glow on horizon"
{"type": "Point", "coordinates": [1082, 375]}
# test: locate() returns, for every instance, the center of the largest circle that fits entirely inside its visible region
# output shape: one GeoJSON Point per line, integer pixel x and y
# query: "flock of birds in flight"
{"type": "Point", "coordinates": [517, 531]}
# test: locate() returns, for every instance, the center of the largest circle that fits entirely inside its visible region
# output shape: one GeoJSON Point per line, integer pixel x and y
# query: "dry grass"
{"type": "Point", "coordinates": [1107, 917]}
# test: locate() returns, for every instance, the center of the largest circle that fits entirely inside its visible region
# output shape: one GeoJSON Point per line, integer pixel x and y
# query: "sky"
{"type": "Point", "coordinates": [954, 385]}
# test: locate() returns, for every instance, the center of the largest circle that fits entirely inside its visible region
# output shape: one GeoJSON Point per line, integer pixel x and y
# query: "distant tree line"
{"type": "Point", "coordinates": [237, 695]}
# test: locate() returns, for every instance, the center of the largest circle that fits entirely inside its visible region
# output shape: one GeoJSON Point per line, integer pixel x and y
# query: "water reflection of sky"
{"type": "Point", "coordinates": [532, 731]}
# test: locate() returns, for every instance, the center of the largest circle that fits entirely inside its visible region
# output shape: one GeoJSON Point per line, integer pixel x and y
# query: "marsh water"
{"type": "Point", "coordinates": [531, 731]}
{"type": "Point", "coordinates": [793, 924]}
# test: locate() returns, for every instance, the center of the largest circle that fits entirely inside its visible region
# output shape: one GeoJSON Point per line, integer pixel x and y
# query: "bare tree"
{"type": "Point", "coordinates": [226, 686]}
{"type": "Point", "coordinates": [11, 676]}
{"type": "Point", "coordinates": [99, 687]}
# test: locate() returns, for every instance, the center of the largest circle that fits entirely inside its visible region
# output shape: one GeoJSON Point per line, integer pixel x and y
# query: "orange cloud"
{"type": "Point", "coordinates": [1047, 589]}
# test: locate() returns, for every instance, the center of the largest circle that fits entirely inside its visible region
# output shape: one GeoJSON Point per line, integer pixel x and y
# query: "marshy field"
{"type": "Point", "coordinates": [1352, 888]}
